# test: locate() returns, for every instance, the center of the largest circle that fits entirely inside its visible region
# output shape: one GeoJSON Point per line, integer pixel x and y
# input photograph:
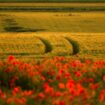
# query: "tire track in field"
{"type": "Point", "coordinates": [75, 45]}
{"type": "Point", "coordinates": [66, 47]}
{"type": "Point", "coordinates": [48, 46]}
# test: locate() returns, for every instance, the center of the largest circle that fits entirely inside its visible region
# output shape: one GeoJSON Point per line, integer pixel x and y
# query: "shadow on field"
{"type": "Point", "coordinates": [21, 29]}
{"type": "Point", "coordinates": [10, 25]}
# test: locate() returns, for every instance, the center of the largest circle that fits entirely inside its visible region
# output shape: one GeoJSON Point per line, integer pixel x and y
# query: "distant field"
{"type": "Point", "coordinates": [52, 7]}
{"type": "Point", "coordinates": [85, 22]}
{"type": "Point", "coordinates": [51, 4]}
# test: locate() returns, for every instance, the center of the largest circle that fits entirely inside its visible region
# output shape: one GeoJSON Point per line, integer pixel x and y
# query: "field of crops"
{"type": "Point", "coordinates": [45, 34]}
{"type": "Point", "coordinates": [48, 44]}
{"type": "Point", "coordinates": [86, 22]}
{"type": "Point", "coordinates": [29, 34]}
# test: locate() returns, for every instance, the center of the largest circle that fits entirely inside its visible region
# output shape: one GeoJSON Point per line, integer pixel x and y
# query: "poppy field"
{"type": "Point", "coordinates": [54, 81]}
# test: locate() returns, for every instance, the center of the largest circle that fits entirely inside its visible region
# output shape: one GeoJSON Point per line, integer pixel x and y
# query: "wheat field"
{"type": "Point", "coordinates": [86, 22]}
{"type": "Point", "coordinates": [48, 44]}
{"type": "Point", "coordinates": [37, 35]}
